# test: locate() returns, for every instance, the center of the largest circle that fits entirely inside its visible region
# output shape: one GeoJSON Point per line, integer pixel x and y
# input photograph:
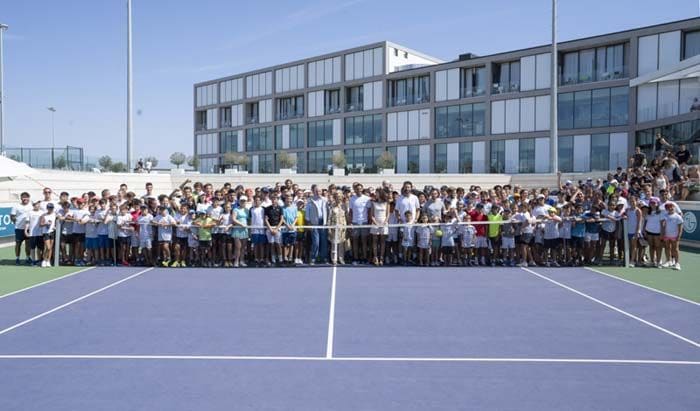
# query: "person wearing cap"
{"type": "Point", "coordinates": [551, 237]}
{"type": "Point", "coordinates": [592, 249]}
{"type": "Point", "coordinates": [239, 233]}
{"type": "Point", "coordinates": [672, 229]}
{"type": "Point", "coordinates": [32, 231]}
{"type": "Point", "coordinates": [64, 216]}
{"type": "Point", "coordinates": [611, 216]}
{"type": "Point", "coordinates": [165, 223]}
{"type": "Point", "coordinates": [19, 215]}
{"type": "Point", "coordinates": [204, 224]}
{"type": "Point", "coordinates": [145, 234]}
{"type": "Point", "coordinates": [47, 224]}
{"type": "Point", "coordinates": [652, 231]}
{"type": "Point", "coordinates": [124, 228]}
{"type": "Point", "coordinates": [183, 220]}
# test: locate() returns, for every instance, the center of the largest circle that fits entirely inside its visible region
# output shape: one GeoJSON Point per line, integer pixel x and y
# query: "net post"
{"type": "Point", "coordinates": [57, 243]}
{"type": "Point", "coordinates": [626, 239]}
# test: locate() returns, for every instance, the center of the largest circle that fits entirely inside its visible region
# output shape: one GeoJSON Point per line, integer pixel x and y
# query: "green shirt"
{"type": "Point", "coordinates": [494, 229]}
{"type": "Point", "coordinates": [205, 232]}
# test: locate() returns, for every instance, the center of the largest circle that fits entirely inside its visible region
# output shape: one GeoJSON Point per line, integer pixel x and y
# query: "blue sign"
{"type": "Point", "coordinates": [7, 227]}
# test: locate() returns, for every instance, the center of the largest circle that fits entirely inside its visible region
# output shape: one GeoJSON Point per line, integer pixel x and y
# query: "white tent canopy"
{"type": "Point", "coordinates": [689, 68]}
{"type": "Point", "coordinates": [10, 168]}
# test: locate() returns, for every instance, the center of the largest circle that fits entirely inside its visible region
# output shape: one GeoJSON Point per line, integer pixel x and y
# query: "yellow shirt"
{"type": "Point", "coordinates": [494, 229]}
{"type": "Point", "coordinates": [301, 213]}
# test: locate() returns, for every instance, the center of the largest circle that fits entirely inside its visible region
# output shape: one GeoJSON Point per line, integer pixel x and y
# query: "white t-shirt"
{"type": "Point", "coordinates": [672, 222]}
{"type": "Point", "coordinates": [145, 228]}
{"type": "Point", "coordinates": [165, 231]}
{"type": "Point", "coordinates": [34, 220]}
{"type": "Point", "coordinates": [49, 223]}
{"type": "Point", "coordinates": [359, 206]}
{"type": "Point", "coordinates": [44, 203]}
{"type": "Point", "coordinates": [79, 215]}
{"type": "Point", "coordinates": [21, 213]}
{"type": "Point", "coordinates": [407, 203]}
{"type": "Point", "coordinates": [257, 219]}
{"type": "Point", "coordinates": [123, 223]}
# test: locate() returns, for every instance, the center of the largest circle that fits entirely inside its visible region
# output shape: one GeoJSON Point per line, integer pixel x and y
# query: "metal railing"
{"type": "Point", "coordinates": [355, 106]}
{"type": "Point", "coordinates": [63, 158]}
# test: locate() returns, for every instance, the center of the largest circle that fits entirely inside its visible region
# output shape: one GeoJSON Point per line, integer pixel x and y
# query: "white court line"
{"type": "Point", "coordinates": [46, 282]}
{"type": "Point", "coordinates": [346, 359]}
{"type": "Point", "coordinates": [612, 307]}
{"type": "Point", "coordinates": [644, 286]}
{"type": "Point", "coordinates": [331, 317]}
{"type": "Point", "coordinates": [62, 306]}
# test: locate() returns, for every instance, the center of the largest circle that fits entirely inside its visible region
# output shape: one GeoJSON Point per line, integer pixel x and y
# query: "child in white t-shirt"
{"type": "Point", "coordinates": [672, 228]}
{"type": "Point", "coordinates": [423, 235]}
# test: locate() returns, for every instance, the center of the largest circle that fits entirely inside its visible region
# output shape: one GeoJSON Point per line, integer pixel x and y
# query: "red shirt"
{"type": "Point", "coordinates": [479, 216]}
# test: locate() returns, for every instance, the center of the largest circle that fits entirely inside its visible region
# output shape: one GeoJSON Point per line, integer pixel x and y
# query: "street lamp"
{"type": "Point", "coordinates": [129, 92]}
{"type": "Point", "coordinates": [53, 130]}
{"type": "Point", "coordinates": [3, 27]}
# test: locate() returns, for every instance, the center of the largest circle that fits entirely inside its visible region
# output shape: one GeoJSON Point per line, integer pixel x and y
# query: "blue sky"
{"type": "Point", "coordinates": [72, 54]}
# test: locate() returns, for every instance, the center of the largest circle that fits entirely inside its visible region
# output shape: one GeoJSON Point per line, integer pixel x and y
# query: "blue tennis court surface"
{"type": "Point", "coordinates": [346, 339]}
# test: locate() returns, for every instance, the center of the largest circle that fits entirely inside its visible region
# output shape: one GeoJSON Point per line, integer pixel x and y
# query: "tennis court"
{"type": "Point", "coordinates": [347, 338]}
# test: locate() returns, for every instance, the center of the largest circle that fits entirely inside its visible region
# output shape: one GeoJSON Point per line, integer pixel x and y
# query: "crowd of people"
{"type": "Point", "coordinates": [201, 225]}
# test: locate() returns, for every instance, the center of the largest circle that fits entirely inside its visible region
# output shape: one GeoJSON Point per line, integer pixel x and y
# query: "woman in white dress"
{"type": "Point", "coordinates": [378, 218]}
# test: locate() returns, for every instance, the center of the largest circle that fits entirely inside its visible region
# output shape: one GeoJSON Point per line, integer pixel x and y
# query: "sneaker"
{"type": "Point", "coordinates": [677, 267]}
{"type": "Point", "coordinates": [28, 261]}
{"type": "Point", "coordinates": [17, 261]}
{"type": "Point", "coordinates": [125, 263]}
{"type": "Point", "coordinates": [164, 263]}
{"type": "Point", "coordinates": [355, 263]}
{"type": "Point", "coordinates": [242, 264]}
{"type": "Point", "coordinates": [48, 264]}
{"type": "Point", "coordinates": [175, 264]}
{"type": "Point", "coordinates": [312, 262]}
{"type": "Point", "coordinates": [555, 264]}
{"type": "Point", "coordinates": [183, 265]}
{"type": "Point", "coordinates": [667, 264]}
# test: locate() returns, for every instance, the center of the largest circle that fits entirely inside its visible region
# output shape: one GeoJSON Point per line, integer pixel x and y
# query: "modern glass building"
{"type": "Point", "coordinates": [476, 114]}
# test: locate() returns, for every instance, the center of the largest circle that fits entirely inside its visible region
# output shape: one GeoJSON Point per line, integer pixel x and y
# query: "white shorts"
{"type": "Point", "coordinates": [274, 238]}
{"type": "Point", "coordinates": [588, 237]}
{"type": "Point", "coordinates": [145, 242]}
{"type": "Point", "coordinates": [467, 241]}
{"type": "Point", "coordinates": [481, 242]}
{"type": "Point", "coordinates": [164, 237]}
{"type": "Point", "coordinates": [507, 243]}
{"type": "Point", "coordinates": [379, 230]}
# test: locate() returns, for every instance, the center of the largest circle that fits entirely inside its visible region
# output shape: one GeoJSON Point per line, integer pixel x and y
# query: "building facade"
{"type": "Point", "coordinates": [487, 114]}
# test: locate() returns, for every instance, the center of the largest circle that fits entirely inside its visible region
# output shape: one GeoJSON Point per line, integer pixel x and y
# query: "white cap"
{"type": "Point", "coordinates": [242, 198]}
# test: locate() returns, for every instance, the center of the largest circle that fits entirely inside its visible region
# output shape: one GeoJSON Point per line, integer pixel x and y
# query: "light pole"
{"type": "Point", "coordinates": [53, 130]}
{"type": "Point", "coordinates": [553, 123]}
{"type": "Point", "coordinates": [3, 27]}
{"type": "Point", "coordinates": [129, 92]}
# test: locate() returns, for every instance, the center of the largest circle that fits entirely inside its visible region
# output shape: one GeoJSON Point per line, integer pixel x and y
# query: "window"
{"type": "Point", "coordinates": [593, 108]}
{"type": "Point", "coordinates": [320, 133]}
{"type": "Point", "coordinates": [266, 163]}
{"type": "Point", "coordinates": [319, 161]}
{"type": "Point", "coordinates": [600, 110]}
{"type": "Point", "coordinates": [225, 117]}
{"type": "Point", "coordinates": [691, 44]}
{"type": "Point", "coordinates": [259, 139]}
{"type": "Point", "coordinates": [683, 132]}
{"type": "Point", "coordinates": [200, 122]}
{"type": "Point", "coordinates": [472, 81]}
{"type": "Point", "coordinates": [290, 107]}
{"type": "Point", "coordinates": [252, 110]}
{"type": "Point", "coordinates": [582, 109]}
{"type": "Point", "coordinates": [526, 155]}
{"type": "Point", "coordinates": [331, 101]}
{"type": "Point", "coordinates": [440, 158]}
{"type": "Point", "coordinates": [602, 63]}
{"type": "Point", "coordinates": [506, 77]}
{"type": "Point", "coordinates": [228, 142]}
{"type": "Point", "coordinates": [354, 98]}
{"type": "Point", "coordinates": [297, 135]}
{"type": "Point", "coordinates": [600, 152]}
{"type": "Point", "coordinates": [206, 143]}
{"type": "Point", "coordinates": [206, 95]}
{"type": "Point", "coordinates": [362, 160]}
{"type": "Point", "coordinates": [459, 121]}
{"type": "Point", "coordinates": [466, 154]}
{"type": "Point", "coordinates": [363, 129]}
{"type": "Point", "coordinates": [413, 159]}
{"type": "Point", "coordinates": [498, 156]}
{"type": "Point", "coordinates": [566, 154]}
{"type": "Point", "coordinates": [413, 90]}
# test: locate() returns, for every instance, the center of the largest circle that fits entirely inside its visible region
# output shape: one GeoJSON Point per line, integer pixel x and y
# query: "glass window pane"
{"type": "Point", "coordinates": [582, 109]}
{"type": "Point", "coordinates": [600, 72]}
{"type": "Point", "coordinates": [526, 155]}
{"type": "Point", "coordinates": [600, 152]}
{"type": "Point", "coordinates": [619, 106]}
{"type": "Point", "coordinates": [465, 157]}
{"type": "Point", "coordinates": [570, 71]}
{"type": "Point", "coordinates": [586, 58]}
{"type": "Point", "coordinates": [692, 44]}
{"type": "Point", "coordinates": [600, 110]}
{"type": "Point", "coordinates": [441, 122]}
{"type": "Point", "coordinates": [413, 159]}
{"type": "Point", "coordinates": [515, 76]}
{"type": "Point", "coordinates": [565, 111]}
{"type": "Point", "coordinates": [478, 119]}
{"type": "Point", "coordinates": [453, 125]}
{"type": "Point", "coordinates": [498, 156]}
{"type": "Point", "coordinates": [441, 158]}
{"type": "Point", "coordinates": [465, 120]}
{"type": "Point", "coordinates": [566, 154]}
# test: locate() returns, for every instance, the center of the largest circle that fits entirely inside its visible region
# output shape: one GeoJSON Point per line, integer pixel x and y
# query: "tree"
{"type": "Point", "coordinates": [177, 158]}
{"type": "Point", "coordinates": [385, 161]}
{"type": "Point", "coordinates": [236, 159]}
{"type": "Point", "coordinates": [153, 160]}
{"type": "Point", "coordinates": [118, 167]}
{"type": "Point", "coordinates": [60, 163]}
{"type": "Point", "coordinates": [286, 160]}
{"type": "Point", "coordinates": [339, 160]}
{"type": "Point", "coordinates": [193, 161]}
{"type": "Point", "coordinates": [105, 163]}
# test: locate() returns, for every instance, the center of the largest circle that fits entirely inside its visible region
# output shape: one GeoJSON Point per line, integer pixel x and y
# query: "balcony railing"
{"type": "Point", "coordinates": [332, 110]}
{"type": "Point", "coordinates": [225, 124]}
{"type": "Point", "coordinates": [354, 106]}
{"type": "Point", "coordinates": [498, 88]}
{"type": "Point", "coordinates": [251, 120]}
{"type": "Point", "coordinates": [409, 99]}
{"type": "Point", "coordinates": [567, 79]}
{"type": "Point", "coordinates": [471, 92]}
{"type": "Point", "coordinates": [200, 126]}
{"type": "Point", "coordinates": [288, 116]}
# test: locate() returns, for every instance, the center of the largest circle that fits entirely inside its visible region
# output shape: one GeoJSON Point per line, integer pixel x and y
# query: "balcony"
{"type": "Point", "coordinates": [409, 99]}
{"type": "Point", "coordinates": [332, 110]}
{"type": "Point", "coordinates": [568, 79]}
{"type": "Point", "coordinates": [225, 124]}
{"type": "Point", "coordinates": [471, 92]}
{"type": "Point", "coordinates": [200, 126]}
{"type": "Point", "coordinates": [289, 116]}
{"type": "Point", "coordinates": [354, 106]}
{"type": "Point", "coordinates": [498, 88]}
{"type": "Point", "coordinates": [251, 120]}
